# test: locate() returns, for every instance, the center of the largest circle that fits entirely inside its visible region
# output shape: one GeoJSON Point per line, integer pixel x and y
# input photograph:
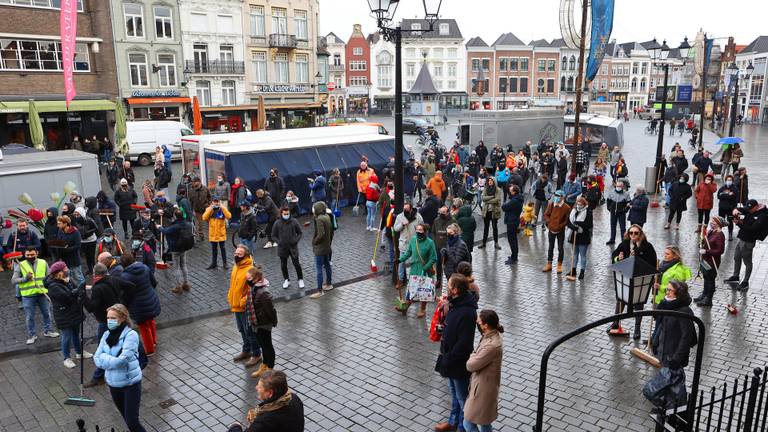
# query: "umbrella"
{"type": "Point", "coordinates": [726, 141]}
{"type": "Point", "coordinates": [197, 118]}
{"type": "Point", "coordinates": [261, 120]}
{"type": "Point", "coordinates": [35, 127]}
{"type": "Point", "coordinates": [120, 128]}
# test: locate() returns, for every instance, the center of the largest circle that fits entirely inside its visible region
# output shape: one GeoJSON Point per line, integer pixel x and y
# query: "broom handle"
{"type": "Point", "coordinates": [714, 264]}
{"type": "Point", "coordinates": [573, 253]}
{"type": "Point", "coordinates": [650, 327]}
{"type": "Point", "coordinates": [162, 239]}
{"type": "Point", "coordinates": [119, 248]}
{"type": "Point", "coordinates": [82, 358]}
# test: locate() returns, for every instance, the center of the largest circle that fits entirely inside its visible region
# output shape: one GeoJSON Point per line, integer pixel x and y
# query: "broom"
{"type": "Point", "coordinates": [655, 201]}
{"type": "Point", "coordinates": [14, 254]}
{"type": "Point", "coordinates": [618, 330]}
{"type": "Point", "coordinates": [646, 355]}
{"type": "Point", "coordinates": [375, 268]}
{"type": "Point", "coordinates": [161, 264]}
{"type": "Point", "coordinates": [80, 400]}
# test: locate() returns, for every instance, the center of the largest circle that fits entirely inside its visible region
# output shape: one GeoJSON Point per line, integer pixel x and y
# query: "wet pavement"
{"type": "Point", "coordinates": [359, 365]}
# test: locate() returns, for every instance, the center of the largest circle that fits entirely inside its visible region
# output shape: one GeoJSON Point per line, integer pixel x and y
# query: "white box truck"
{"type": "Point", "coordinates": [144, 136]}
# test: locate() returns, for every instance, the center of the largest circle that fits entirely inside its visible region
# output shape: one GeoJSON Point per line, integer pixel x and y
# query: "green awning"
{"type": "Point", "coordinates": [58, 106]}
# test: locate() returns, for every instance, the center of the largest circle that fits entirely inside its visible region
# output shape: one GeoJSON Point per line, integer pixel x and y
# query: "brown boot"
{"type": "Point", "coordinates": [177, 289]}
{"type": "Point", "coordinates": [559, 268]}
{"type": "Point", "coordinates": [240, 357]}
{"type": "Point", "coordinates": [253, 361]}
{"type": "Point", "coordinates": [263, 368]}
{"type": "Point", "coordinates": [185, 286]}
{"type": "Point", "coordinates": [445, 427]}
{"type": "Point", "coordinates": [547, 268]}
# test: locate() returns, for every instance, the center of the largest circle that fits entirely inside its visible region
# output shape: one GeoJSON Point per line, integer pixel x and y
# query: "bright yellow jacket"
{"type": "Point", "coordinates": [238, 289]}
{"type": "Point", "coordinates": [217, 227]}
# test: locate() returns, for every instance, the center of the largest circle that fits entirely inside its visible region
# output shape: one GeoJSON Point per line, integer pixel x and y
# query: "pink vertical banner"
{"type": "Point", "coordinates": [68, 30]}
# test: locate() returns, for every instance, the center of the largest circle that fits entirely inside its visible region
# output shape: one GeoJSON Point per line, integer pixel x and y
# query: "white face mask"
{"type": "Point", "coordinates": [668, 298]}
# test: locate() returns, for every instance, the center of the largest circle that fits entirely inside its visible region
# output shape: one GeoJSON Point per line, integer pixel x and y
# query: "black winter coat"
{"type": "Point", "coordinates": [458, 337]}
{"type": "Point", "coordinates": [728, 197]}
{"type": "Point", "coordinates": [105, 293]}
{"type": "Point", "coordinates": [70, 254]}
{"type": "Point", "coordinates": [142, 301]}
{"type": "Point", "coordinates": [676, 335]}
{"type": "Point", "coordinates": [681, 163]}
{"type": "Point", "coordinates": [275, 187]}
{"type": "Point", "coordinates": [123, 200]}
{"type": "Point", "coordinates": [679, 194]}
{"type": "Point", "coordinates": [453, 255]}
{"type": "Point", "coordinates": [750, 227]}
{"type": "Point", "coordinates": [66, 302]}
{"type": "Point", "coordinates": [638, 209]}
{"type": "Point", "coordinates": [585, 236]}
{"type": "Point", "coordinates": [289, 418]}
{"type": "Point", "coordinates": [429, 210]}
{"type": "Point", "coordinates": [644, 251]}
{"type": "Point", "coordinates": [512, 209]}
{"type": "Point", "coordinates": [92, 211]}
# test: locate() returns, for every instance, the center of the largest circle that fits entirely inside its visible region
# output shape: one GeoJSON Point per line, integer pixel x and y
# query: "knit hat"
{"type": "Point", "coordinates": [123, 181]}
{"type": "Point", "coordinates": [80, 211]}
{"type": "Point", "coordinates": [109, 231]}
{"type": "Point", "coordinates": [57, 267]}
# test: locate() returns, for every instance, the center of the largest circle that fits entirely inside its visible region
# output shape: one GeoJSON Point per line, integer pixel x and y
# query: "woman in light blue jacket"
{"type": "Point", "coordinates": [118, 355]}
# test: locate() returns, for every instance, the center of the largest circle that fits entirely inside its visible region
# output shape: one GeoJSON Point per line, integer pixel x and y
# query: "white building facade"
{"type": "Point", "coordinates": [336, 73]}
{"type": "Point", "coordinates": [382, 73]}
{"type": "Point", "coordinates": [753, 96]}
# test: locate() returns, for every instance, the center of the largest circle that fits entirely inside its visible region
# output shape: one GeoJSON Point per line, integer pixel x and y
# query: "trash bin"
{"type": "Point", "coordinates": [650, 179]}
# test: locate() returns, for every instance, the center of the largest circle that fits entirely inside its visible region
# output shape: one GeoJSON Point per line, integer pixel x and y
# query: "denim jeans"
{"type": "Point", "coordinates": [127, 400]}
{"type": "Point", "coordinates": [70, 337]}
{"type": "Point", "coordinates": [40, 301]}
{"type": "Point", "coordinates": [323, 261]}
{"type": "Point", "coordinates": [98, 374]}
{"type": "Point", "coordinates": [667, 187]}
{"type": "Point", "coordinates": [247, 242]}
{"type": "Point", "coordinates": [471, 427]}
{"type": "Point", "coordinates": [76, 275]}
{"type": "Point", "coordinates": [581, 256]}
{"type": "Point", "coordinates": [459, 388]}
{"type": "Point", "coordinates": [250, 343]}
{"type": "Point", "coordinates": [181, 267]}
{"type": "Point", "coordinates": [370, 217]}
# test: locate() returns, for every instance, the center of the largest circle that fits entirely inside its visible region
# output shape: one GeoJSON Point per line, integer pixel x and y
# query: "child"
{"type": "Point", "coordinates": [292, 202]}
{"type": "Point", "coordinates": [529, 217]}
{"type": "Point", "coordinates": [109, 243]}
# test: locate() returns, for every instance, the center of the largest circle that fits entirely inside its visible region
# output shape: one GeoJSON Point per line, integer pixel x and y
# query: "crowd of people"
{"type": "Point", "coordinates": [429, 242]}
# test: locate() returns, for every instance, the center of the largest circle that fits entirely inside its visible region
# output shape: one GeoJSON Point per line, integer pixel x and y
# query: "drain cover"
{"type": "Point", "coordinates": [168, 402]}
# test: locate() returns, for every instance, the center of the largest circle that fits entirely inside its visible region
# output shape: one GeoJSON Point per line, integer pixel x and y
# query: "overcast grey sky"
{"type": "Point", "coordinates": [634, 20]}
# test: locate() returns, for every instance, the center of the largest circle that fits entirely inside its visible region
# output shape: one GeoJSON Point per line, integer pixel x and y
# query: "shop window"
{"type": "Point", "coordinates": [134, 20]}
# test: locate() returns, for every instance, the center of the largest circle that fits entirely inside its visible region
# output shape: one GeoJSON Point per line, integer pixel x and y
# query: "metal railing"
{"type": "Point", "coordinates": [741, 410]}
{"type": "Point", "coordinates": [277, 40]}
{"type": "Point", "coordinates": [335, 68]}
{"type": "Point", "coordinates": [215, 67]}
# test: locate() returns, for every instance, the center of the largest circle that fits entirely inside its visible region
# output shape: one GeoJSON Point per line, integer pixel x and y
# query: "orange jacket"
{"type": "Point", "coordinates": [511, 161]}
{"type": "Point", "coordinates": [238, 289]}
{"type": "Point", "coordinates": [437, 184]}
{"type": "Point", "coordinates": [363, 178]}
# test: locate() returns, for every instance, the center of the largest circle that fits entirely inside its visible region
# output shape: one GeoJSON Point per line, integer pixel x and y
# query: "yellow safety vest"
{"type": "Point", "coordinates": [35, 285]}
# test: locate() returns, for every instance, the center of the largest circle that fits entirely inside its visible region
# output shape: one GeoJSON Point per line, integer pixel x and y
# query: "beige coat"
{"type": "Point", "coordinates": [481, 407]}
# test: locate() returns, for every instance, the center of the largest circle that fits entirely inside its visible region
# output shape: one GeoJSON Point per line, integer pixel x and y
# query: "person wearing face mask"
{"type": "Point", "coordinates": [162, 177]}
{"type": "Point", "coordinates": [322, 238]}
{"type": "Point", "coordinates": [482, 153]}
{"type": "Point", "coordinates": [106, 291]}
{"type": "Point", "coordinates": [678, 203]}
{"type": "Point", "coordinates": [88, 232]}
{"type": "Point", "coordinates": [422, 254]}
{"type": "Point", "coordinates": [438, 231]}
{"type": "Point", "coordinates": [217, 217]}
{"type": "Point", "coordinates": [638, 207]}
{"type": "Point", "coordinates": [287, 233]}
{"type": "Point", "coordinates": [261, 315]}
{"type": "Point", "coordinates": [512, 209]}
{"type": "Point", "coordinates": [712, 249]}
{"type": "Point", "coordinates": [145, 227]}
{"type": "Point", "coordinates": [69, 250]}
{"type": "Point", "coordinates": [110, 243]}
{"type": "Point", "coordinates": [481, 407]}
{"type": "Point", "coordinates": [173, 234]}
{"type": "Point", "coordinates": [405, 224]}
{"type": "Point", "coordinates": [143, 252]}
{"type": "Point", "coordinates": [222, 190]}
{"type": "Point", "coordinates": [267, 208]}
{"type": "Point", "coordinates": [579, 233]}
{"type": "Point", "coordinates": [104, 204]}
{"type": "Point", "coordinates": [669, 177]}
{"type": "Point", "coordinates": [237, 297]}
{"type": "Point", "coordinates": [491, 212]}
{"type": "Point", "coordinates": [671, 268]}
{"type": "Point", "coordinates": [542, 192]}
{"type": "Point", "coordinates": [752, 220]}
{"type": "Point", "coordinates": [124, 197]}
{"type": "Point", "coordinates": [456, 348]}
{"type": "Point", "coordinates": [118, 355]}
{"type": "Point", "coordinates": [705, 192]}
{"type": "Point", "coordinates": [556, 218]}
{"type": "Point", "coordinates": [727, 197]}
{"type": "Point", "coordinates": [67, 304]}
{"type": "Point", "coordinates": [453, 252]}
{"type": "Point", "coordinates": [675, 336]}
{"type": "Point", "coordinates": [29, 276]}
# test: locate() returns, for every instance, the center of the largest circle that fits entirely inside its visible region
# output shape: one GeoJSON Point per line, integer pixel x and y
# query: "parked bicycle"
{"type": "Point", "coordinates": [262, 219]}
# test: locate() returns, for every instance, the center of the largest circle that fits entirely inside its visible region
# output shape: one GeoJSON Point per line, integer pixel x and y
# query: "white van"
{"type": "Point", "coordinates": [144, 136]}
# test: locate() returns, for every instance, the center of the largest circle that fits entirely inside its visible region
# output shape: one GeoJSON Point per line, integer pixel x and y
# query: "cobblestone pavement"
{"type": "Point", "coordinates": [358, 365]}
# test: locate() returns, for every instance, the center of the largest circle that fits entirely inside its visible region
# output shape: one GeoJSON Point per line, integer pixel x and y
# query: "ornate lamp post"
{"type": "Point", "coordinates": [733, 72]}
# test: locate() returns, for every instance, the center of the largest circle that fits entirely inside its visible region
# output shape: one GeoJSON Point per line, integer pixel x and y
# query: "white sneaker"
{"type": "Point", "coordinates": [267, 245]}
{"type": "Point", "coordinates": [68, 363]}
{"type": "Point", "coordinates": [286, 283]}
{"type": "Point", "coordinates": [51, 334]}
{"type": "Point", "coordinates": [301, 283]}
{"type": "Point", "coordinates": [31, 340]}
{"type": "Point", "coordinates": [86, 355]}
{"type": "Point", "coordinates": [327, 287]}
{"type": "Point", "coordinates": [317, 295]}
{"type": "Point", "coordinates": [274, 244]}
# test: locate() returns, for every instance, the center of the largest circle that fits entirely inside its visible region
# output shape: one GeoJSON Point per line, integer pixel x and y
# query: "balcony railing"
{"type": "Point", "coordinates": [215, 67]}
{"type": "Point", "coordinates": [335, 68]}
{"type": "Point", "coordinates": [277, 40]}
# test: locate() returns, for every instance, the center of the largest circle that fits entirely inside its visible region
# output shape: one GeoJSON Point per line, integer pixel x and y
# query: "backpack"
{"type": "Point", "coordinates": [186, 240]}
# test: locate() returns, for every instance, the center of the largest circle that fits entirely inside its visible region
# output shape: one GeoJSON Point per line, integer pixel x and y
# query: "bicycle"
{"type": "Point", "coordinates": [262, 219]}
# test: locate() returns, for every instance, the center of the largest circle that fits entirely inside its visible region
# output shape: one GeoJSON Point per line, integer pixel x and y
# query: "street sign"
{"type": "Point", "coordinates": [331, 86]}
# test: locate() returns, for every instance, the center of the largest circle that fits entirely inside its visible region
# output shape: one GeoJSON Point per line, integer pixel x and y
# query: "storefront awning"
{"type": "Point", "coordinates": [58, 106]}
{"type": "Point", "coordinates": [230, 108]}
{"type": "Point", "coordinates": [158, 101]}
{"type": "Point", "coordinates": [294, 105]}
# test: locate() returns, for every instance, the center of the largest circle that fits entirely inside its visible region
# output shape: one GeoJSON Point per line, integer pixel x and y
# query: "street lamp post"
{"type": "Point", "coordinates": [733, 72]}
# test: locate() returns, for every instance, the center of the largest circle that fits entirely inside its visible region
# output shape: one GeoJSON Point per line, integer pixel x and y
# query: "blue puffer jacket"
{"type": "Point", "coordinates": [143, 303]}
{"type": "Point", "coordinates": [122, 370]}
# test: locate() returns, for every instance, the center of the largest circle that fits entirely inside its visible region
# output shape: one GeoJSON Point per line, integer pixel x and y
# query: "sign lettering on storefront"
{"type": "Point", "coordinates": [280, 88]}
{"type": "Point", "coordinates": [156, 93]}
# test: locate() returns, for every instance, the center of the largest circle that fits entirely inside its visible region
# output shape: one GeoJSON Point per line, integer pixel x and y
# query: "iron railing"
{"type": "Point", "coordinates": [216, 67]}
{"type": "Point", "coordinates": [277, 40]}
{"type": "Point", "coordinates": [336, 68]}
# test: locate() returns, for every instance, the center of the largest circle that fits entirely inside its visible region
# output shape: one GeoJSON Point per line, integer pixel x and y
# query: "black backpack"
{"type": "Point", "coordinates": [186, 240]}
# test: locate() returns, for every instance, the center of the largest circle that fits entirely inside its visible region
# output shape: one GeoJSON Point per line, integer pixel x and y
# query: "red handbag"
{"type": "Point", "coordinates": [438, 320]}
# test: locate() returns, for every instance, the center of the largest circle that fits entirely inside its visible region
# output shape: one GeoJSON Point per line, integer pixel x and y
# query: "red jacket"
{"type": "Point", "coordinates": [373, 190]}
{"type": "Point", "coordinates": [704, 195]}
